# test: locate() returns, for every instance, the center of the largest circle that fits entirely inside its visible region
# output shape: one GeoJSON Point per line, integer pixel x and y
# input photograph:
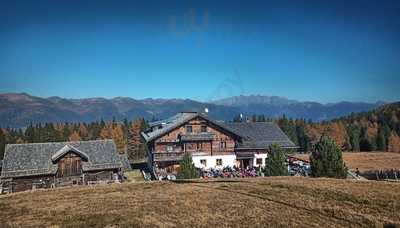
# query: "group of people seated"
{"type": "Point", "coordinates": [230, 172]}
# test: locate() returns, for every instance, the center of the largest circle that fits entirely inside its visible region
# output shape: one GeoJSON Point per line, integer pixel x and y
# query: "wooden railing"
{"type": "Point", "coordinates": [178, 155]}
{"type": "Point", "coordinates": [168, 156]}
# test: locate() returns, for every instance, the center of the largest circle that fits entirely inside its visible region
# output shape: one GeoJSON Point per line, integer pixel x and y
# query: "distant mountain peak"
{"type": "Point", "coordinates": [246, 100]}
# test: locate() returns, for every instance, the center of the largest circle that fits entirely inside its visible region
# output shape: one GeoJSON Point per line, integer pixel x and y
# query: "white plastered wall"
{"type": "Point", "coordinates": [211, 161]}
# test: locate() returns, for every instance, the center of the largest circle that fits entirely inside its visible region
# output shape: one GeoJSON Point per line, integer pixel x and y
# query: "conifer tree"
{"type": "Point", "coordinates": [276, 162]}
{"type": "Point", "coordinates": [354, 137]}
{"type": "Point", "coordinates": [66, 132]}
{"type": "Point", "coordinates": [261, 118]}
{"type": "Point", "coordinates": [187, 168]}
{"type": "Point", "coordinates": [326, 159]}
{"type": "Point", "coordinates": [380, 139]}
{"type": "Point", "coordinates": [302, 138]}
{"type": "Point", "coordinates": [288, 126]}
{"type": "Point", "coordinates": [2, 143]}
{"type": "Point", "coordinates": [30, 134]}
{"type": "Point", "coordinates": [366, 144]}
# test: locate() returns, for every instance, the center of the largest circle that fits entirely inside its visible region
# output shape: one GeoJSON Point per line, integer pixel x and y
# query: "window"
{"type": "Point", "coordinates": [222, 145]}
{"type": "Point", "coordinates": [259, 161]}
{"type": "Point", "coordinates": [203, 128]}
{"type": "Point", "coordinates": [199, 146]}
{"type": "Point", "coordinates": [170, 148]}
{"type": "Point", "coordinates": [219, 162]}
{"type": "Point", "coordinates": [189, 129]}
{"type": "Point", "coordinates": [203, 162]}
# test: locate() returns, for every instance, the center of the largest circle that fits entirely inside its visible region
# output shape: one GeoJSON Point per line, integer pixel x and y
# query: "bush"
{"type": "Point", "coordinates": [187, 168]}
{"type": "Point", "coordinates": [326, 159]}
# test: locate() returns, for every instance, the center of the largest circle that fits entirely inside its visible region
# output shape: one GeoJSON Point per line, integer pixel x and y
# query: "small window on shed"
{"type": "Point", "coordinates": [189, 129]}
{"type": "Point", "coordinates": [259, 161]}
{"type": "Point", "coordinates": [219, 162]}
{"type": "Point", "coordinates": [203, 128]}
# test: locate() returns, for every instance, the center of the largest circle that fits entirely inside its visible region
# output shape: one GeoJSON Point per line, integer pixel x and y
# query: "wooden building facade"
{"type": "Point", "coordinates": [211, 144]}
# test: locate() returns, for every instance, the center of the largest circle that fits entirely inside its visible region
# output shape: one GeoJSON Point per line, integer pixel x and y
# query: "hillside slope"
{"type": "Point", "coordinates": [281, 201]}
{"type": "Point", "coordinates": [378, 129]}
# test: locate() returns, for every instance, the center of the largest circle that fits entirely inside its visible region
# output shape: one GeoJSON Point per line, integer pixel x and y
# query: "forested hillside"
{"type": "Point", "coordinates": [367, 131]}
{"type": "Point", "coordinates": [126, 134]}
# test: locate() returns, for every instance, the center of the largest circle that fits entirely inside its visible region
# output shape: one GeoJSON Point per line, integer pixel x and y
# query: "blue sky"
{"type": "Point", "coordinates": [326, 51]}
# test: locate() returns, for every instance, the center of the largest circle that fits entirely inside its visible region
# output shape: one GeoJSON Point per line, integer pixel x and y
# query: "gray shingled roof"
{"type": "Point", "coordinates": [260, 135]}
{"type": "Point", "coordinates": [176, 121]}
{"type": "Point", "coordinates": [36, 158]}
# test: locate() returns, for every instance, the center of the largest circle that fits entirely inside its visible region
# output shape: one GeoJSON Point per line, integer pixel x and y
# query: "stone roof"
{"type": "Point", "coordinates": [175, 122]}
{"type": "Point", "coordinates": [260, 135]}
{"type": "Point", "coordinates": [36, 158]}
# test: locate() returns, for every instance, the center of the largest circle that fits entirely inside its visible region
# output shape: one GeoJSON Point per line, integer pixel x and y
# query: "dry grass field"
{"type": "Point", "coordinates": [276, 202]}
{"type": "Point", "coordinates": [366, 161]}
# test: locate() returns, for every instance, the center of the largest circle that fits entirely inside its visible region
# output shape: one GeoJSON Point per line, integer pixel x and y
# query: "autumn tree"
{"type": "Point", "coordinates": [75, 136]}
{"type": "Point", "coordinates": [114, 131]}
{"type": "Point", "coordinates": [394, 143]}
{"type": "Point", "coordinates": [83, 132]}
{"type": "Point", "coordinates": [19, 141]}
{"type": "Point", "coordinates": [326, 159]}
{"type": "Point", "coordinates": [136, 147]}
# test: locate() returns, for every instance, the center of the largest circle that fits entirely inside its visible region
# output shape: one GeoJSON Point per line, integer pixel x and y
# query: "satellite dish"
{"type": "Point", "coordinates": [206, 110]}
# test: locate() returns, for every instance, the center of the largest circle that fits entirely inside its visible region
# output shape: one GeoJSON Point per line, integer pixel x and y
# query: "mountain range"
{"type": "Point", "coordinates": [21, 109]}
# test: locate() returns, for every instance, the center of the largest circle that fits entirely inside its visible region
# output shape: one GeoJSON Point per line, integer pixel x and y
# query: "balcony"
{"type": "Point", "coordinates": [178, 155]}
{"type": "Point", "coordinates": [168, 156]}
{"type": "Point", "coordinates": [204, 136]}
